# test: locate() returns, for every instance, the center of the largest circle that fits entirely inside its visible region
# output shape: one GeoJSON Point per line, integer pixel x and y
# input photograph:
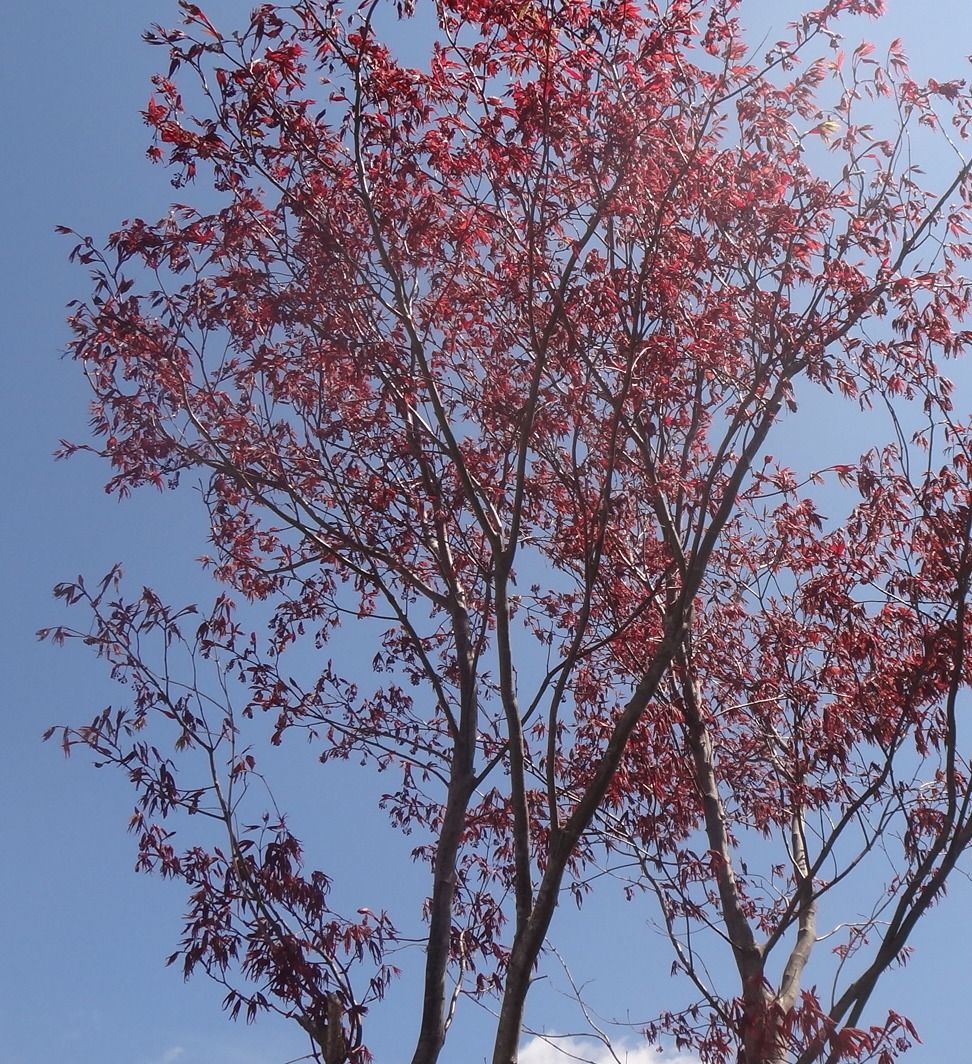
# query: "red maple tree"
{"type": "Point", "coordinates": [482, 360]}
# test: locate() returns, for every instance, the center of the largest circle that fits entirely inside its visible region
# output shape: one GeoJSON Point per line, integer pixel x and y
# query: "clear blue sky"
{"type": "Point", "coordinates": [83, 938]}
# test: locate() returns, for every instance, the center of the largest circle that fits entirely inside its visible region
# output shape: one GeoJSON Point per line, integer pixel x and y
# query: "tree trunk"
{"type": "Point", "coordinates": [433, 1029]}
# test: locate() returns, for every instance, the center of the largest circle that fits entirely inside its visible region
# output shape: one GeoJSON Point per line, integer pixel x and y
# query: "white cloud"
{"type": "Point", "coordinates": [237, 1048]}
{"type": "Point", "coordinates": [560, 1050]}
{"type": "Point", "coordinates": [169, 1056]}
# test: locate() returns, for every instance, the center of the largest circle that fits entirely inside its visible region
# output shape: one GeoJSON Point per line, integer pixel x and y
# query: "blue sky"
{"type": "Point", "coordinates": [82, 980]}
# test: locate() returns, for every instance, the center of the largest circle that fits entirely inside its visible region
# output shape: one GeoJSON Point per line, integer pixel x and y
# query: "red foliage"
{"type": "Point", "coordinates": [484, 359]}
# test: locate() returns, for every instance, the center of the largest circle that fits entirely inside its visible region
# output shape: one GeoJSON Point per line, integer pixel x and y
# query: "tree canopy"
{"type": "Point", "coordinates": [481, 362]}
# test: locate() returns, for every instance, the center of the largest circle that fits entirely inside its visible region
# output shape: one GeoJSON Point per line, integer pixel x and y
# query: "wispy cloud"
{"type": "Point", "coordinates": [246, 1049]}
{"type": "Point", "coordinates": [559, 1050]}
{"type": "Point", "coordinates": [170, 1056]}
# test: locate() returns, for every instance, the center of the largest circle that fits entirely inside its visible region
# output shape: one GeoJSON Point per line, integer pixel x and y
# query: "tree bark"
{"type": "Point", "coordinates": [433, 1029]}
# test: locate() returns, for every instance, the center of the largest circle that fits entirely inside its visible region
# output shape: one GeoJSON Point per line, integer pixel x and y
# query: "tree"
{"type": "Point", "coordinates": [482, 361]}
